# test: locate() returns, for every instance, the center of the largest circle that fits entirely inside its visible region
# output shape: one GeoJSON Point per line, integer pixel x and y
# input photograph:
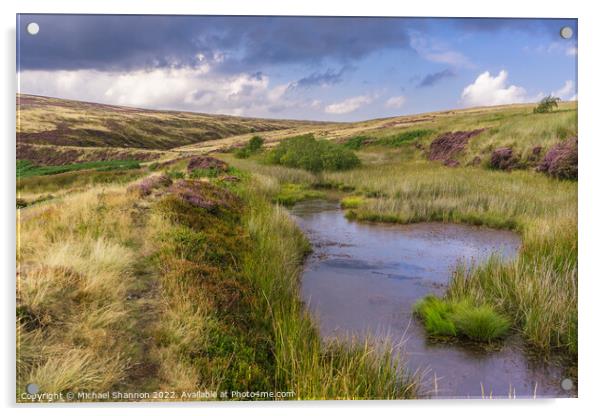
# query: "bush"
{"type": "Point", "coordinates": [547, 104]}
{"type": "Point", "coordinates": [444, 318]}
{"type": "Point", "coordinates": [355, 142]}
{"type": "Point", "coordinates": [253, 146]}
{"type": "Point", "coordinates": [307, 153]}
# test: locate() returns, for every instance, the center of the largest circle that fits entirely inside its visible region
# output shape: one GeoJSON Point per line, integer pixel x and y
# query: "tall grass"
{"type": "Point", "coordinates": [302, 362]}
{"type": "Point", "coordinates": [75, 260]}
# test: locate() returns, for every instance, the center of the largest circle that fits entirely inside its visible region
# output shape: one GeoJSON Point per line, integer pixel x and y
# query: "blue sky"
{"type": "Point", "coordinates": [340, 69]}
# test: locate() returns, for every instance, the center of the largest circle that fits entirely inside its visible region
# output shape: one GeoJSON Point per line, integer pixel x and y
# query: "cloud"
{"type": "Point", "coordinates": [431, 79]}
{"type": "Point", "coordinates": [492, 90]}
{"type": "Point", "coordinates": [567, 92]}
{"type": "Point", "coordinates": [328, 77]}
{"type": "Point", "coordinates": [395, 102]}
{"type": "Point", "coordinates": [549, 27]}
{"type": "Point", "coordinates": [436, 51]}
{"type": "Point", "coordinates": [348, 105]}
{"type": "Point", "coordinates": [127, 42]}
{"type": "Point", "coordinates": [193, 89]}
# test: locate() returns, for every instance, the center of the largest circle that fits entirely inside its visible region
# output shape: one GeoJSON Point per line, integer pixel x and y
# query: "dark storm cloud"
{"type": "Point", "coordinates": [110, 42]}
{"type": "Point", "coordinates": [548, 27]}
{"type": "Point", "coordinates": [328, 77]}
{"type": "Point", "coordinates": [431, 79]}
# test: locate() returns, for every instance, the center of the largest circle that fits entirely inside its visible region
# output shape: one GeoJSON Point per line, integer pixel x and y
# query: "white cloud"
{"type": "Point", "coordinates": [395, 102]}
{"type": "Point", "coordinates": [194, 89]}
{"type": "Point", "coordinates": [567, 92]}
{"type": "Point", "coordinates": [571, 51]}
{"type": "Point", "coordinates": [348, 105]}
{"type": "Point", "coordinates": [316, 104]}
{"type": "Point", "coordinates": [439, 52]}
{"type": "Point", "coordinates": [492, 90]}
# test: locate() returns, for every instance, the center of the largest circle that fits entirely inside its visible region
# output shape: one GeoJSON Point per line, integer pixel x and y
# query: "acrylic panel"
{"type": "Point", "coordinates": [290, 207]}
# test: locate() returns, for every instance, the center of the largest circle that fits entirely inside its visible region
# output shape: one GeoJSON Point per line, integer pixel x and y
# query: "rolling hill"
{"type": "Point", "coordinates": [53, 121]}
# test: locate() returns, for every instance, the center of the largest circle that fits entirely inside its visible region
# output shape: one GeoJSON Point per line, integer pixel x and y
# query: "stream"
{"type": "Point", "coordinates": [363, 280]}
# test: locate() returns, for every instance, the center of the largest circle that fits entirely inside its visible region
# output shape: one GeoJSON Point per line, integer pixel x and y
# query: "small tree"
{"type": "Point", "coordinates": [547, 104]}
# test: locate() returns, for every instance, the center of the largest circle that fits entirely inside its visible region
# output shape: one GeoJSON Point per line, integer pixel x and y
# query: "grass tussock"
{"type": "Point", "coordinates": [352, 202]}
{"type": "Point", "coordinates": [445, 318]}
{"type": "Point", "coordinates": [291, 193]}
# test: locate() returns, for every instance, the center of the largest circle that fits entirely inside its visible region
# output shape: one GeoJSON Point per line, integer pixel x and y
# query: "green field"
{"type": "Point", "coordinates": [26, 169]}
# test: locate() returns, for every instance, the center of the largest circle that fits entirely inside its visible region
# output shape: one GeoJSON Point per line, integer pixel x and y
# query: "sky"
{"type": "Point", "coordinates": [317, 68]}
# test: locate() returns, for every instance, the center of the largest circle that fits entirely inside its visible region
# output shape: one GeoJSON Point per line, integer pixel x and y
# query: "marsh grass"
{"type": "Point", "coordinates": [291, 193]}
{"type": "Point", "coordinates": [302, 362]}
{"type": "Point", "coordinates": [447, 318]}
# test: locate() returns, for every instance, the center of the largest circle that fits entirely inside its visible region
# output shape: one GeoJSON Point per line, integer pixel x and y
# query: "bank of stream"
{"type": "Point", "coordinates": [364, 278]}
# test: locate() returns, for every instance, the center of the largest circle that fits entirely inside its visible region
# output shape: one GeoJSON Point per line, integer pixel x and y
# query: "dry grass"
{"type": "Point", "coordinates": [75, 259]}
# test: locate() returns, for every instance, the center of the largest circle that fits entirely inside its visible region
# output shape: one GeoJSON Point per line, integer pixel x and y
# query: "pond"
{"type": "Point", "coordinates": [364, 278]}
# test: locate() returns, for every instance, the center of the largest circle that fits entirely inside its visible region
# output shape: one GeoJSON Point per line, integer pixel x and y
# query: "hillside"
{"type": "Point", "coordinates": [44, 120]}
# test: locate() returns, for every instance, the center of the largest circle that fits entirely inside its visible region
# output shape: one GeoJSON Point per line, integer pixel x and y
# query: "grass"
{"type": "Point", "coordinates": [75, 272]}
{"type": "Point", "coordinates": [403, 137]}
{"type": "Point", "coordinates": [352, 202]}
{"type": "Point", "coordinates": [26, 169]}
{"type": "Point", "coordinates": [445, 318]}
{"type": "Point", "coordinates": [291, 193]}
{"type": "Point", "coordinates": [302, 362]}
{"type": "Point", "coordinates": [34, 187]}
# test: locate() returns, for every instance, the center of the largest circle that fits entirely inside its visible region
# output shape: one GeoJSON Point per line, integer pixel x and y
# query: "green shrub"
{"type": "Point", "coordinates": [307, 153]}
{"type": "Point", "coordinates": [547, 104]}
{"type": "Point", "coordinates": [255, 143]}
{"type": "Point", "coordinates": [355, 142]}
{"type": "Point", "coordinates": [242, 153]}
{"type": "Point", "coordinates": [204, 173]}
{"type": "Point", "coordinates": [445, 318]}
{"type": "Point", "coordinates": [253, 146]}
{"type": "Point", "coordinates": [175, 174]}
